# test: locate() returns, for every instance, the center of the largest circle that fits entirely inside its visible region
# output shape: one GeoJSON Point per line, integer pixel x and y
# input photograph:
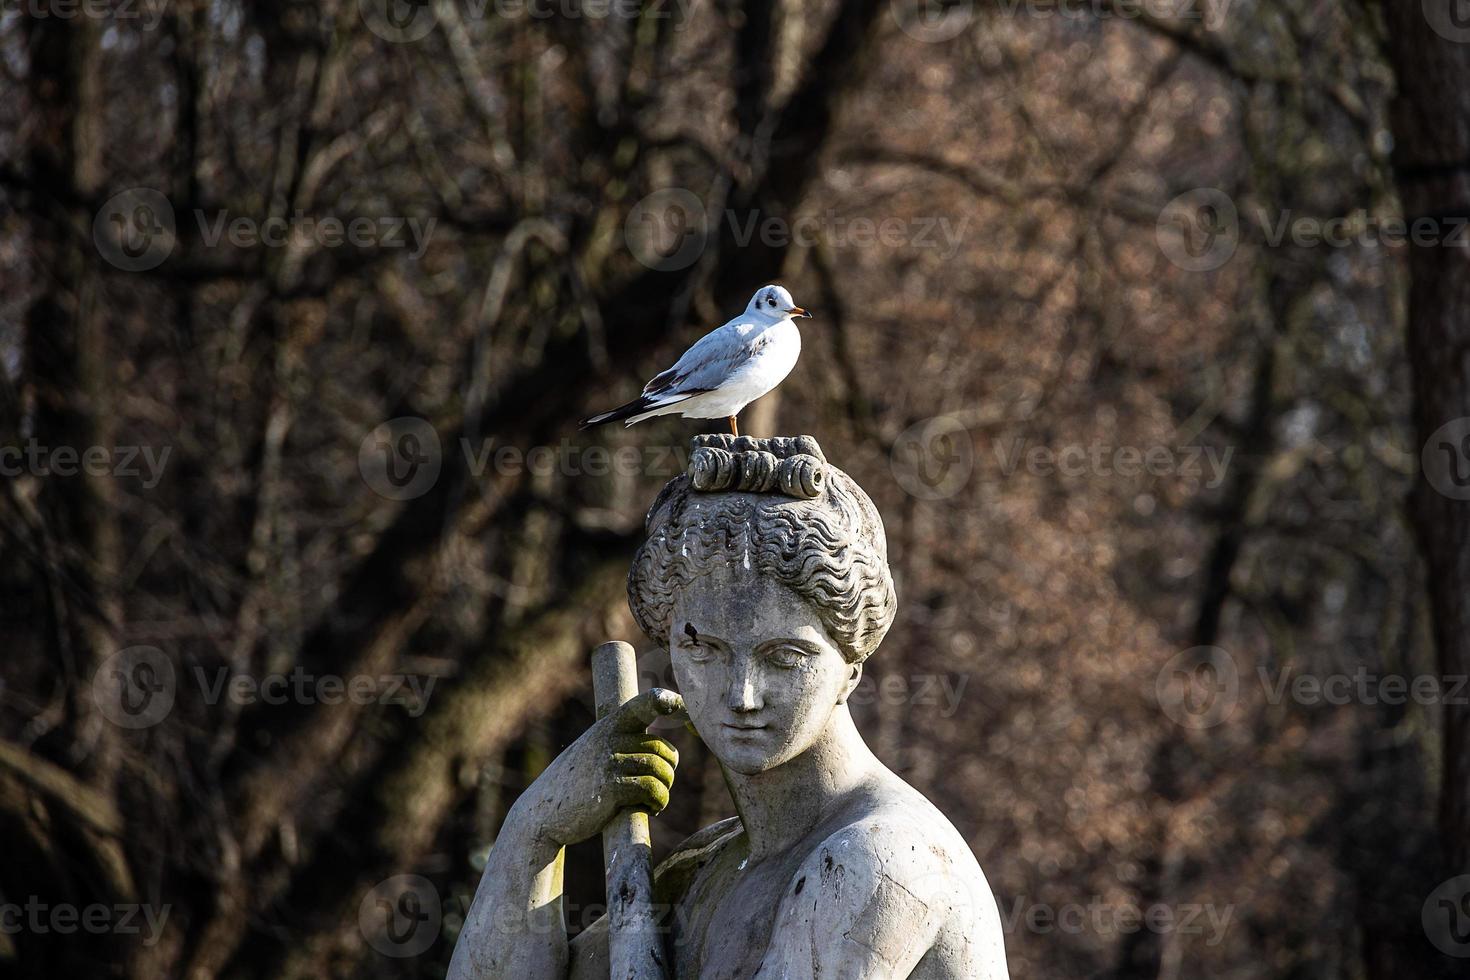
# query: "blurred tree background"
{"type": "Point", "coordinates": [1036, 236]}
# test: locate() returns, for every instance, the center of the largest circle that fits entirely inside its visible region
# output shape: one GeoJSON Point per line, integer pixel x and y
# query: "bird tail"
{"type": "Point", "coordinates": [636, 407]}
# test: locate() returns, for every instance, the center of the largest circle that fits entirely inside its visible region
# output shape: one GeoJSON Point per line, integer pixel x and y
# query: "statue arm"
{"type": "Point", "coordinates": [514, 927]}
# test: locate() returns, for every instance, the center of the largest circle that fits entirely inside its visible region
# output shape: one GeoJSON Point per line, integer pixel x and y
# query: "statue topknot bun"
{"type": "Point", "coordinates": [778, 507]}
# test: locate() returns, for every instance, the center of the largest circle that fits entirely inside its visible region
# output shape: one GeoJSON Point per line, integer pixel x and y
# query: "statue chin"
{"type": "Point", "coordinates": [749, 753]}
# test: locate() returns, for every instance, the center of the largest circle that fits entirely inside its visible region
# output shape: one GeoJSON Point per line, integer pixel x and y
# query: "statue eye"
{"type": "Point", "coordinates": [696, 651]}
{"type": "Point", "coordinates": [694, 648]}
{"type": "Point", "coordinates": [786, 656]}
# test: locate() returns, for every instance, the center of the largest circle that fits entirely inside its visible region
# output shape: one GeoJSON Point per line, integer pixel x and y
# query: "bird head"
{"type": "Point", "coordinates": [774, 303]}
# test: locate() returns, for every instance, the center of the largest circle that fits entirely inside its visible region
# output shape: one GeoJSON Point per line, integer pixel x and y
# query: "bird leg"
{"type": "Point", "coordinates": [734, 429]}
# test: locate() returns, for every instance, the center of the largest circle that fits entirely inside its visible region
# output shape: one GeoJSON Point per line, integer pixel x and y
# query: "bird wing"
{"type": "Point", "coordinates": [710, 362]}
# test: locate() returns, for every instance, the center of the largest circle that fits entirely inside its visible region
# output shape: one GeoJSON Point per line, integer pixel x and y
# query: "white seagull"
{"type": "Point", "coordinates": [726, 369]}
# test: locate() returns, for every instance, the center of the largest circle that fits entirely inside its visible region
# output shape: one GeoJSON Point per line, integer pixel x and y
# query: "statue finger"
{"type": "Point", "coordinates": [633, 744]}
{"type": "Point", "coordinates": [641, 793]}
{"type": "Point", "coordinates": [644, 765]}
{"type": "Point", "coordinates": [638, 713]}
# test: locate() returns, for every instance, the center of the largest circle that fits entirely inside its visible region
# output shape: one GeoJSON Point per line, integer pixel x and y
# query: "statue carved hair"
{"type": "Point", "coordinates": [822, 538]}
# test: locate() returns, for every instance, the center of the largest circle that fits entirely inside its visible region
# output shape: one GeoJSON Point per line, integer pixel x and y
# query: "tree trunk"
{"type": "Point", "coordinates": [1431, 120]}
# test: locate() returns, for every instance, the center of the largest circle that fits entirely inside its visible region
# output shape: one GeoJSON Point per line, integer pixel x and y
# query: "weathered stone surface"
{"type": "Point", "coordinates": [769, 604]}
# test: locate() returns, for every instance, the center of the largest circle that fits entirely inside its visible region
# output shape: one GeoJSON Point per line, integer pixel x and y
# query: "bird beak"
{"type": "Point", "coordinates": [798, 311]}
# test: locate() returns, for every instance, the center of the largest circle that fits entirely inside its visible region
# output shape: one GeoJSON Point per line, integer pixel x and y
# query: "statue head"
{"type": "Point", "coordinates": [765, 572]}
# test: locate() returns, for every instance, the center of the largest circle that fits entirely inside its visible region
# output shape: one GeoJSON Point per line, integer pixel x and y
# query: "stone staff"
{"type": "Point", "coordinates": [635, 946]}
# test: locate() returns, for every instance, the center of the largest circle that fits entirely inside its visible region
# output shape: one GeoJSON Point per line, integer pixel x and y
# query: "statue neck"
{"type": "Point", "coordinates": [780, 806]}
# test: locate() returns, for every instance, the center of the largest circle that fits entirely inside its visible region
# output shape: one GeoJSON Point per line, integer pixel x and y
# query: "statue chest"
{"type": "Point", "coordinates": [724, 922]}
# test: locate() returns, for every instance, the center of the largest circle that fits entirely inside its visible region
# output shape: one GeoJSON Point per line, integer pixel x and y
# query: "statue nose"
{"type": "Point", "coordinates": [743, 694]}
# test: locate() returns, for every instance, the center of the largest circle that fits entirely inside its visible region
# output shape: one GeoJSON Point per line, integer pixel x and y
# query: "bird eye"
{"type": "Point", "coordinates": [770, 302]}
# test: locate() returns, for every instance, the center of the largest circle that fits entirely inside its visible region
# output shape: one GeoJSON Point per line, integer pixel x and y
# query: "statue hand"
{"type": "Point", "coordinates": [615, 765]}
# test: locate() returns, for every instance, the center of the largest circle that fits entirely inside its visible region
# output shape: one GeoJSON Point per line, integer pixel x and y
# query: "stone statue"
{"type": "Point", "coordinates": [765, 573]}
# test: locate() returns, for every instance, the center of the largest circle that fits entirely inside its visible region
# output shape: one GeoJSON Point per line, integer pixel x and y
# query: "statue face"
{"type": "Point", "coordinates": [758, 672]}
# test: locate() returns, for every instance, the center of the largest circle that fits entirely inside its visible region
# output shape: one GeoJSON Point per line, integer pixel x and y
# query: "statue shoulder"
{"type": "Point", "coordinates": [915, 847]}
{"type": "Point", "coordinates": [885, 892]}
{"type": "Point", "coordinates": [675, 873]}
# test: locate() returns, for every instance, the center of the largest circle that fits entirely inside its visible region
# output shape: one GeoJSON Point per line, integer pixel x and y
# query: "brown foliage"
{"type": "Point", "coordinates": [1132, 459]}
